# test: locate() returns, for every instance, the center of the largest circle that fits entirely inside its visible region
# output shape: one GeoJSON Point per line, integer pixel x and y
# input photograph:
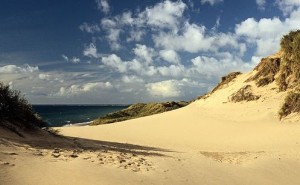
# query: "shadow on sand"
{"type": "Point", "coordinates": [49, 140]}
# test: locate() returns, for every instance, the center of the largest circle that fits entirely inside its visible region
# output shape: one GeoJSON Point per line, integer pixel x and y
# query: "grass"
{"type": "Point", "coordinates": [15, 111]}
{"type": "Point", "coordinates": [289, 74]}
{"type": "Point", "coordinates": [225, 80]}
{"type": "Point", "coordinates": [244, 94]}
{"type": "Point", "coordinates": [266, 71]}
{"type": "Point", "coordinates": [138, 110]}
{"type": "Point", "coordinates": [291, 104]}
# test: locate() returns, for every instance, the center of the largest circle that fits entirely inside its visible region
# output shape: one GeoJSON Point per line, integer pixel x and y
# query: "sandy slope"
{"type": "Point", "coordinates": [211, 141]}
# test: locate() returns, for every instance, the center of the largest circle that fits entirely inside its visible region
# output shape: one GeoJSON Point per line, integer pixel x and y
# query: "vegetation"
{"type": "Point", "coordinates": [291, 104]}
{"type": "Point", "coordinates": [15, 111]}
{"type": "Point", "coordinates": [289, 74]}
{"type": "Point", "coordinates": [225, 80]}
{"type": "Point", "coordinates": [139, 110]}
{"type": "Point", "coordinates": [244, 94]}
{"type": "Point", "coordinates": [266, 71]}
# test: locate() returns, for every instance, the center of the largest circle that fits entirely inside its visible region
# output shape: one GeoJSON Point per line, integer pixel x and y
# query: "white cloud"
{"type": "Point", "coordinates": [267, 40]}
{"type": "Point", "coordinates": [90, 28]}
{"type": "Point", "coordinates": [164, 14]}
{"type": "Point", "coordinates": [172, 70]}
{"type": "Point", "coordinates": [85, 88]}
{"type": "Point", "coordinates": [261, 4]}
{"type": "Point", "coordinates": [167, 88]}
{"type": "Point", "coordinates": [135, 35]}
{"type": "Point", "coordinates": [132, 79]}
{"type": "Point", "coordinates": [75, 60]}
{"type": "Point", "coordinates": [195, 39]}
{"type": "Point", "coordinates": [144, 53]}
{"type": "Point", "coordinates": [91, 51]}
{"type": "Point", "coordinates": [191, 40]}
{"type": "Point", "coordinates": [211, 2]}
{"type": "Point", "coordinates": [218, 65]}
{"type": "Point", "coordinates": [288, 6]}
{"type": "Point", "coordinates": [18, 69]}
{"type": "Point", "coordinates": [103, 6]}
{"type": "Point", "coordinates": [44, 76]}
{"type": "Point", "coordinates": [170, 56]}
{"type": "Point", "coordinates": [115, 62]}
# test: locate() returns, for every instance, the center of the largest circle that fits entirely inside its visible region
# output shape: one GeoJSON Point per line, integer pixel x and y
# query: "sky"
{"type": "Point", "coordinates": [123, 52]}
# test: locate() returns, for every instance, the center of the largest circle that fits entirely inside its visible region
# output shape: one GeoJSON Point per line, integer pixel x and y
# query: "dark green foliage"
{"type": "Point", "coordinates": [244, 94]}
{"type": "Point", "coordinates": [139, 110]}
{"type": "Point", "coordinates": [291, 104]}
{"type": "Point", "coordinates": [15, 111]}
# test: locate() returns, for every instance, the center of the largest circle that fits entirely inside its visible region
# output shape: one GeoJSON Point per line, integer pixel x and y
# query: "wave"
{"type": "Point", "coordinates": [77, 124]}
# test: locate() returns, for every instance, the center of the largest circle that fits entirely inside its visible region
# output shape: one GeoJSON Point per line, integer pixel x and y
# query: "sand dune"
{"type": "Point", "coordinates": [211, 141]}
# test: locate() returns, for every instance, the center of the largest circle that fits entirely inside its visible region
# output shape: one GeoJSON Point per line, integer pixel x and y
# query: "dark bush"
{"type": "Point", "coordinates": [15, 111]}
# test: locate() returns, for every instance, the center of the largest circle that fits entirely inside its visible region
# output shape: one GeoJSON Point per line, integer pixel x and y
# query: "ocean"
{"type": "Point", "coordinates": [62, 115]}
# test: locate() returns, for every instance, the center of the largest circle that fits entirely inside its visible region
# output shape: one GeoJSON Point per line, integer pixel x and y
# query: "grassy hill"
{"type": "Point", "coordinates": [139, 110]}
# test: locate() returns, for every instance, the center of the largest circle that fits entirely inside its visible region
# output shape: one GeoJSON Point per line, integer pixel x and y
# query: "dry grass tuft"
{"type": "Point", "coordinates": [291, 104]}
{"type": "Point", "coordinates": [244, 94]}
{"type": "Point", "coordinates": [225, 80]}
{"type": "Point", "coordinates": [266, 71]}
{"type": "Point", "coordinates": [289, 74]}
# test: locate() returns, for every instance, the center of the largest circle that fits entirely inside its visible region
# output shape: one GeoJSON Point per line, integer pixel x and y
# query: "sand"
{"type": "Point", "coordinates": [211, 141]}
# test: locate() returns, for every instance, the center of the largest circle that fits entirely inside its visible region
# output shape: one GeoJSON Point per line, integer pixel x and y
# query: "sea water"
{"type": "Point", "coordinates": [62, 115]}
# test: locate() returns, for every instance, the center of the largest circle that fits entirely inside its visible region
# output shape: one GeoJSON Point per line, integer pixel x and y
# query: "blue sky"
{"type": "Point", "coordinates": [111, 51]}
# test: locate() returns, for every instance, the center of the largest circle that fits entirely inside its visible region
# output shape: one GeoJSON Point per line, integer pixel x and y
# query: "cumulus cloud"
{"type": "Point", "coordinates": [103, 6]}
{"type": "Point", "coordinates": [195, 39]}
{"type": "Point", "coordinates": [164, 14]}
{"type": "Point", "coordinates": [267, 40]}
{"type": "Point", "coordinates": [18, 69]}
{"type": "Point", "coordinates": [288, 6]}
{"type": "Point", "coordinates": [168, 88]}
{"type": "Point", "coordinates": [91, 51]}
{"type": "Point", "coordinates": [211, 2]}
{"type": "Point", "coordinates": [85, 88]}
{"type": "Point", "coordinates": [170, 56]}
{"type": "Point", "coordinates": [144, 53]}
{"type": "Point", "coordinates": [115, 62]}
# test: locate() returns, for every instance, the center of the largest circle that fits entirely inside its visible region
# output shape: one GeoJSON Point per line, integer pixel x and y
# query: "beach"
{"type": "Point", "coordinates": [211, 141]}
